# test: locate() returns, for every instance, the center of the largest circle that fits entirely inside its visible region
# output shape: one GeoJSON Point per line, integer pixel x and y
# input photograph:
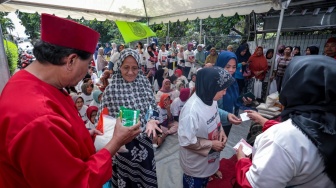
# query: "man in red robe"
{"type": "Point", "coordinates": [43, 141]}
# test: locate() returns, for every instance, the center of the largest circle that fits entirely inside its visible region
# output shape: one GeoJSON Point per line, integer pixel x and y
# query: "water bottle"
{"type": "Point", "coordinates": [149, 113]}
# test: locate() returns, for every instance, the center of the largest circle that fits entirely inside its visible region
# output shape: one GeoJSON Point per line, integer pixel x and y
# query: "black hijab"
{"type": "Point", "coordinates": [309, 96]}
{"type": "Point", "coordinates": [313, 50]}
{"type": "Point", "coordinates": [245, 57]}
{"type": "Point", "coordinates": [159, 77]}
{"type": "Point", "coordinates": [211, 80]}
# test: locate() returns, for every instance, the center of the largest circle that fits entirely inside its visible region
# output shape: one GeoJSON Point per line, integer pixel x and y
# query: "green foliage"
{"type": "Point", "coordinates": [32, 24]}
{"type": "Point", "coordinates": [12, 55]}
{"type": "Point", "coordinates": [216, 29]}
{"type": "Point", "coordinates": [108, 30]}
{"type": "Point", "coordinates": [6, 23]}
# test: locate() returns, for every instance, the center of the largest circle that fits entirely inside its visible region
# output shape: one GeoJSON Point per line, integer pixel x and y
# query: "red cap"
{"type": "Point", "coordinates": [331, 40]}
{"type": "Point", "coordinates": [67, 33]}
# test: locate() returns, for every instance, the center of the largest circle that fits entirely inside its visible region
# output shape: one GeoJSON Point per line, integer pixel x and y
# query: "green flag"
{"type": "Point", "coordinates": [133, 31]}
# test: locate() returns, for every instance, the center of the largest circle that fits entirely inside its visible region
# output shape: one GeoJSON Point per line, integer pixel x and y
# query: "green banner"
{"type": "Point", "coordinates": [133, 31]}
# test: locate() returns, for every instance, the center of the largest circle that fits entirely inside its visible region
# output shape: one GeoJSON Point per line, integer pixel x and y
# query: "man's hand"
{"type": "Point", "coordinates": [240, 154]}
{"type": "Point", "coordinates": [256, 117]}
{"type": "Point", "coordinates": [123, 135]}
{"type": "Point", "coordinates": [234, 119]}
{"type": "Point", "coordinates": [94, 132]}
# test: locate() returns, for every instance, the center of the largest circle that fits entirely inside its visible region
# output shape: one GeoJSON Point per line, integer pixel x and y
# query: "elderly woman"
{"type": "Point", "coordinates": [212, 57]}
{"type": "Point", "coordinates": [299, 151]}
{"type": "Point", "coordinates": [200, 133]}
{"type": "Point", "coordinates": [131, 89]}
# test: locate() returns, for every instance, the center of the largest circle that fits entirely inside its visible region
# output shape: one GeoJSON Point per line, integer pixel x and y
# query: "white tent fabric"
{"type": "Point", "coordinates": [130, 10]}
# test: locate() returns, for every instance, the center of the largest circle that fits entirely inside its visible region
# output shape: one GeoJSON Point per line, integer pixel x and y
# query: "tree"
{"type": "Point", "coordinates": [6, 23]}
{"type": "Point", "coordinates": [32, 24]}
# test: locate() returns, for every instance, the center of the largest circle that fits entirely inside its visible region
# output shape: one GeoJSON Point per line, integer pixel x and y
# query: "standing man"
{"type": "Point", "coordinates": [43, 141]}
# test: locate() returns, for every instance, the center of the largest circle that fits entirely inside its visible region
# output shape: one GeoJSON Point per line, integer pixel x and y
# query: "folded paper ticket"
{"type": "Point", "coordinates": [247, 148]}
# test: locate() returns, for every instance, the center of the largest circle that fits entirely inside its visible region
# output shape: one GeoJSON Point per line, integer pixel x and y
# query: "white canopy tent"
{"type": "Point", "coordinates": [154, 11]}
{"type": "Point", "coordinates": [130, 10]}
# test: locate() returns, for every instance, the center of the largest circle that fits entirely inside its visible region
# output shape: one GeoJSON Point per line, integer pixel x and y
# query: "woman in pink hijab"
{"type": "Point", "coordinates": [164, 89]}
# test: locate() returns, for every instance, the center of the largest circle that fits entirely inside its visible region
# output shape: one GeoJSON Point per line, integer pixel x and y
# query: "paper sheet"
{"type": "Point", "coordinates": [244, 117]}
{"type": "Point", "coordinates": [247, 148]}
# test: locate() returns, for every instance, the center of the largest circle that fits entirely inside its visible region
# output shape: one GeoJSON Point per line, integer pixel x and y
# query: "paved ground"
{"type": "Point", "coordinates": [237, 132]}
{"type": "Point", "coordinates": [169, 172]}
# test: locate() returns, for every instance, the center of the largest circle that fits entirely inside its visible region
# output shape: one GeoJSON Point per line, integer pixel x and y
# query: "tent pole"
{"type": "Point", "coordinates": [167, 38]}
{"type": "Point", "coordinates": [255, 29]}
{"type": "Point", "coordinates": [4, 69]}
{"type": "Point", "coordinates": [143, 1]}
{"type": "Point", "coordinates": [276, 43]}
{"type": "Point", "coordinates": [200, 33]}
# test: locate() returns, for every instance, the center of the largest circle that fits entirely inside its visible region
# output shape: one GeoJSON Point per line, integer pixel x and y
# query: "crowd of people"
{"type": "Point", "coordinates": [194, 93]}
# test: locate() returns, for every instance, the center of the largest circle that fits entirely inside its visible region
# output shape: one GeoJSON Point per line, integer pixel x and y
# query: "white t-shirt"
{"type": "Point", "coordinates": [114, 60]}
{"type": "Point", "coordinates": [191, 85]}
{"type": "Point", "coordinates": [142, 57]}
{"type": "Point", "coordinates": [94, 78]}
{"type": "Point", "coordinates": [163, 56]}
{"type": "Point", "coordinates": [87, 99]}
{"type": "Point", "coordinates": [82, 113]}
{"type": "Point", "coordinates": [176, 106]}
{"type": "Point", "coordinates": [148, 63]}
{"type": "Point", "coordinates": [188, 55]}
{"type": "Point", "coordinates": [285, 157]}
{"type": "Point", "coordinates": [90, 125]}
{"type": "Point", "coordinates": [198, 121]}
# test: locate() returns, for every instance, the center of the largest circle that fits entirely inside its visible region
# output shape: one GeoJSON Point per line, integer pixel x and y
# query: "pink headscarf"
{"type": "Point", "coordinates": [163, 85]}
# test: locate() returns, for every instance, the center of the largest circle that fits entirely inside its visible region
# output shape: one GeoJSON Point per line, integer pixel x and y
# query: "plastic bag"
{"type": "Point", "coordinates": [273, 87]}
{"type": "Point", "coordinates": [257, 88]}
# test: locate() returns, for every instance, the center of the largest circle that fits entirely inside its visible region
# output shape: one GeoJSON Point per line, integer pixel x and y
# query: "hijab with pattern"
{"type": "Point", "coordinates": [310, 101]}
{"type": "Point", "coordinates": [136, 95]}
{"type": "Point", "coordinates": [211, 80]}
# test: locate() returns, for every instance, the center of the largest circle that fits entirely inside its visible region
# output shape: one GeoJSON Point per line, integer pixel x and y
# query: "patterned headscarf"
{"type": "Point", "coordinates": [211, 80]}
{"type": "Point", "coordinates": [136, 95]}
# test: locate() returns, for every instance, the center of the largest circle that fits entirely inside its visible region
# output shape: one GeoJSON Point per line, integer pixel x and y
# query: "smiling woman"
{"type": "Point", "coordinates": [131, 89]}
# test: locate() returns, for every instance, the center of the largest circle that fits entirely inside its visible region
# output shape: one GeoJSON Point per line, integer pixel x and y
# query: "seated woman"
{"type": "Point", "coordinates": [87, 93]}
{"type": "Point", "coordinates": [166, 119]}
{"type": "Point", "coordinates": [164, 89]}
{"type": "Point", "coordinates": [79, 102]}
{"type": "Point", "coordinates": [91, 113]}
{"type": "Point", "coordinates": [179, 102]}
{"type": "Point", "coordinates": [176, 93]}
{"type": "Point", "coordinates": [180, 77]}
{"type": "Point", "coordinates": [97, 97]}
{"type": "Point", "coordinates": [103, 80]}
{"type": "Point", "coordinates": [299, 151]}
